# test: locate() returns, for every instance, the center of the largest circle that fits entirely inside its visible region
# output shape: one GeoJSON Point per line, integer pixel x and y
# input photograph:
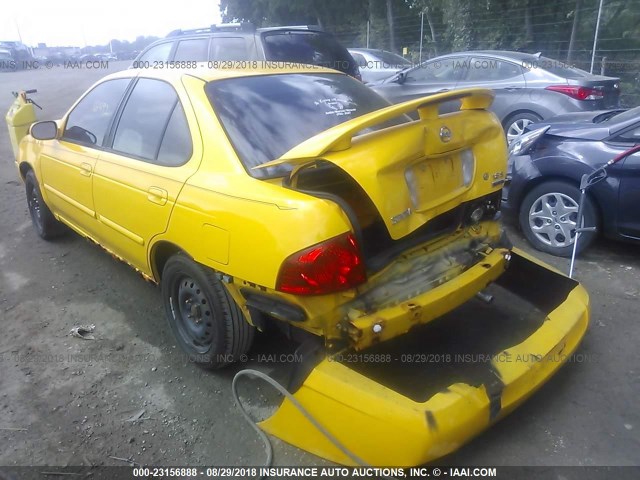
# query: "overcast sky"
{"type": "Point", "coordinates": [80, 23]}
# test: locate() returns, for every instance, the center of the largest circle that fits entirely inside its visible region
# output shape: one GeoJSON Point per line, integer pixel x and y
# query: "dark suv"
{"type": "Point", "coordinates": [242, 41]}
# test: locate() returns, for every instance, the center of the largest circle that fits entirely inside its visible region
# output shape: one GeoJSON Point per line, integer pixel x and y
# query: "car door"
{"type": "Point", "coordinates": [434, 76]}
{"type": "Point", "coordinates": [138, 179]}
{"type": "Point", "coordinates": [629, 191]}
{"type": "Point", "coordinates": [505, 78]}
{"type": "Point", "coordinates": [67, 164]}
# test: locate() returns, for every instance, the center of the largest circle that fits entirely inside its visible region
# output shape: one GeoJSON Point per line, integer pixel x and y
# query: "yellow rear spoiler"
{"type": "Point", "coordinates": [340, 136]}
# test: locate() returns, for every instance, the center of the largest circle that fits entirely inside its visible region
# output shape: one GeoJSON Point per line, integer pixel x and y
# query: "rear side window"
{"type": "Point", "coordinates": [159, 53]}
{"type": "Point", "coordinates": [492, 70]}
{"type": "Point", "coordinates": [145, 118]}
{"type": "Point", "coordinates": [195, 50]}
{"type": "Point", "coordinates": [89, 121]}
{"type": "Point", "coordinates": [311, 48]}
{"type": "Point", "coordinates": [176, 147]}
{"type": "Point", "coordinates": [447, 70]}
{"type": "Point", "coordinates": [229, 48]}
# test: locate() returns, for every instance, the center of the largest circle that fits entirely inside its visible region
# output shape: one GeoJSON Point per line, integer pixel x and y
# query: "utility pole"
{"type": "Point", "coordinates": [368, 31]}
{"type": "Point", "coordinates": [18, 29]}
{"type": "Point", "coordinates": [595, 37]}
{"type": "Point", "coordinates": [421, 34]}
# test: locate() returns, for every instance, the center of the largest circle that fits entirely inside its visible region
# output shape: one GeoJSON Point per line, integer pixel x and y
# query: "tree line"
{"type": "Point", "coordinates": [561, 29]}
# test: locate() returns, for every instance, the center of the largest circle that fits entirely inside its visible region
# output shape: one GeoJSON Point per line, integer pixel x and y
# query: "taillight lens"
{"type": "Point", "coordinates": [331, 266]}
{"type": "Point", "coordinates": [579, 93]}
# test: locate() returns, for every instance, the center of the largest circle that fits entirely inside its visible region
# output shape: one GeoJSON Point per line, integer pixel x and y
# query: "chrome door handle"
{"type": "Point", "coordinates": [86, 169]}
{"type": "Point", "coordinates": [157, 195]}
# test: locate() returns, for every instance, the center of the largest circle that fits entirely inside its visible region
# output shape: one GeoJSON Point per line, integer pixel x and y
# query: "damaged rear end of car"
{"type": "Point", "coordinates": [421, 240]}
{"type": "Point", "coordinates": [422, 200]}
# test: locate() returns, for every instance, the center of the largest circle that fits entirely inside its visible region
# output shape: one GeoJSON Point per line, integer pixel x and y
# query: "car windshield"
{"type": "Point", "coordinates": [266, 116]}
{"type": "Point", "coordinates": [623, 116]}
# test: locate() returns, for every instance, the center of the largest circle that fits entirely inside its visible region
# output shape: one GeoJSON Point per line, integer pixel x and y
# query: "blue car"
{"type": "Point", "coordinates": [545, 167]}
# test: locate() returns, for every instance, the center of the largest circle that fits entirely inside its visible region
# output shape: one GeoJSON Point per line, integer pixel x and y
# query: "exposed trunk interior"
{"type": "Point", "coordinates": [326, 180]}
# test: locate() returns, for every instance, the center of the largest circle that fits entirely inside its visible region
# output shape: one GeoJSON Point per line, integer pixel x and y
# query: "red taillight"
{"type": "Point", "coordinates": [331, 266]}
{"type": "Point", "coordinates": [579, 93]}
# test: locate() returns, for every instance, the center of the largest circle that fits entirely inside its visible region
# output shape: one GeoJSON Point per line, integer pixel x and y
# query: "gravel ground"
{"type": "Point", "coordinates": [131, 394]}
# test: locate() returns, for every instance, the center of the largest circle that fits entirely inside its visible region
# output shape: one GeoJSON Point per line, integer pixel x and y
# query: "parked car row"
{"type": "Point", "coordinates": [13, 55]}
{"type": "Point", "coordinates": [547, 158]}
{"type": "Point", "coordinates": [243, 42]}
{"type": "Point", "coordinates": [528, 88]}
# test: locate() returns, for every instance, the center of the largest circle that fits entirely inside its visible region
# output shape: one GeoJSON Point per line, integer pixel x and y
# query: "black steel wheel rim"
{"type": "Point", "coordinates": [34, 206]}
{"type": "Point", "coordinates": [192, 314]}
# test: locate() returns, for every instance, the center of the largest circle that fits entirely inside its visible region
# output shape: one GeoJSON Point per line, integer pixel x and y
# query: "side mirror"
{"type": "Point", "coordinates": [47, 130]}
{"type": "Point", "coordinates": [401, 77]}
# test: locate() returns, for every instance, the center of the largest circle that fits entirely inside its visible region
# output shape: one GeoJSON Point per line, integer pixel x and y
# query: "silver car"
{"type": "Point", "coordinates": [528, 87]}
{"type": "Point", "coordinates": [378, 64]}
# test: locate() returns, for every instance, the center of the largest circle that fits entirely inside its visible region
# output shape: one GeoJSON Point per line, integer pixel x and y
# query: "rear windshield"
{"type": "Point", "coordinates": [311, 48]}
{"type": "Point", "coordinates": [266, 116]}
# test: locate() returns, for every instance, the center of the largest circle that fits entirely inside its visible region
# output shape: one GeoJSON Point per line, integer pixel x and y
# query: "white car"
{"type": "Point", "coordinates": [378, 64]}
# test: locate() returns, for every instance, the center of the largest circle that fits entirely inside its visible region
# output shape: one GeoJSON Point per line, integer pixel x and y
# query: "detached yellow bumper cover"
{"type": "Point", "coordinates": [387, 428]}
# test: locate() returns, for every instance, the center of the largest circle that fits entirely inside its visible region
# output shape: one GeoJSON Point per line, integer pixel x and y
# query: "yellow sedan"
{"type": "Point", "coordinates": [301, 199]}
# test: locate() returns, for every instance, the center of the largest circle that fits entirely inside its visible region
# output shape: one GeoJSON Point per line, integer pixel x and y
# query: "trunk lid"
{"type": "Point", "coordinates": [415, 171]}
{"type": "Point", "coordinates": [609, 86]}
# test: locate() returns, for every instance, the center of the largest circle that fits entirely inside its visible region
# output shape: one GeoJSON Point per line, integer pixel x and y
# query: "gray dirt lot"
{"type": "Point", "coordinates": [71, 399]}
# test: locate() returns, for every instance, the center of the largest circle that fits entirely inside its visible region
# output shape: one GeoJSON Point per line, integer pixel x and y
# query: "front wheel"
{"type": "Point", "coordinates": [206, 321]}
{"type": "Point", "coordinates": [549, 215]}
{"type": "Point", "coordinates": [43, 220]}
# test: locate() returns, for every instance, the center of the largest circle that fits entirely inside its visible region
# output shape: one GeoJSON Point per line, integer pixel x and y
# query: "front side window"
{"type": "Point", "coordinates": [144, 119]}
{"type": "Point", "coordinates": [88, 123]}
{"type": "Point", "coordinates": [265, 116]}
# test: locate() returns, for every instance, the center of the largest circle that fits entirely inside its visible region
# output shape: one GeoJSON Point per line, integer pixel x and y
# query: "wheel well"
{"type": "Point", "coordinates": [160, 253]}
{"type": "Point", "coordinates": [24, 169]}
{"type": "Point", "coordinates": [508, 118]}
{"type": "Point", "coordinates": [555, 178]}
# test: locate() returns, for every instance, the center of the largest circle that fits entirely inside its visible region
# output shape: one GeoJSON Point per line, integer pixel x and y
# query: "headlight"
{"type": "Point", "coordinates": [524, 142]}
